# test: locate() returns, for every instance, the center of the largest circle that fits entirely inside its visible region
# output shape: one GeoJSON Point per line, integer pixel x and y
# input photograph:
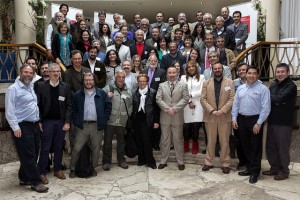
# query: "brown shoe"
{"type": "Point", "coordinates": [207, 167]}
{"type": "Point", "coordinates": [269, 173]}
{"type": "Point", "coordinates": [280, 177]}
{"type": "Point", "coordinates": [161, 166]}
{"type": "Point", "coordinates": [225, 170]}
{"type": "Point", "coordinates": [59, 175]}
{"type": "Point", "coordinates": [44, 179]}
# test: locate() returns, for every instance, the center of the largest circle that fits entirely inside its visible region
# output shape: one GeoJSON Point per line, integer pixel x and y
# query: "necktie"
{"type": "Point", "coordinates": [172, 88]}
{"type": "Point", "coordinates": [207, 65]}
{"type": "Point", "coordinates": [150, 77]}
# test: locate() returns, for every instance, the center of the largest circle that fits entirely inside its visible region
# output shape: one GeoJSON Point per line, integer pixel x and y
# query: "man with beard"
{"type": "Point", "coordinates": [164, 29]}
{"type": "Point", "coordinates": [153, 41]}
{"type": "Point", "coordinates": [55, 105]}
{"type": "Point", "coordinates": [130, 79]}
{"type": "Point", "coordinates": [228, 20]}
{"type": "Point", "coordinates": [156, 76]}
{"type": "Point", "coordinates": [172, 96]}
{"type": "Point", "coordinates": [22, 114]}
{"type": "Point", "coordinates": [181, 20]}
{"type": "Point", "coordinates": [97, 67]}
{"type": "Point", "coordinates": [171, 57]}
{"type": "Point", "coordinates": [123, 51]}
{"type": "Point", "coordinates": [51, 31]}
{"type": "Point", "coordinates": [45, 74]}
{"type": "Point", "coordinates": [33, 63]}
{"type": "Point", "coordinates": [216, 98]}
{"type": "Point", "coordinates": [214, 57]}
{"type": "Point", "coordinates": [92, 108]}
{"type": "Point", "coordinates": [97, 26]}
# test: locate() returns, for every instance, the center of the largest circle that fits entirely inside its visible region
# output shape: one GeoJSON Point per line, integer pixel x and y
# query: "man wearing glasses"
{"type": "Point", "coordinates": [55, 106]}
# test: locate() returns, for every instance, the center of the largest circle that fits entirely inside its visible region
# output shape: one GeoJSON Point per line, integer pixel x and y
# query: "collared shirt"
{"type": "Point", "coordinates": [54, 85]}
{"type": "Point", "coordinates": [128, 80]}
{"type": "Point", "coordinates": [217, 85]}
{"type": "Point", "coordinates": [20, 104]}
{"type": "Point", "coordinates": [89, 106]}
{"type": "Point", "coordinates": [237, 82]}
{"type": "Point", "coordinates": [92, 65]}
{"type": "Point", "coordinates": [252, 100]}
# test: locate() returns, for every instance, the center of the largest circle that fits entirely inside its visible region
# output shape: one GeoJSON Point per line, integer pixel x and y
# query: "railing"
{"type": "Point", "coordinates": [12, 56]}
{"type": "Point", "coordinates": [266, 55]}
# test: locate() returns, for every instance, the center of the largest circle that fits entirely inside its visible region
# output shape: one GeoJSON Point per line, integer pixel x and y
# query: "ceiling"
{"type": "Point", "coordinates": [148, 8]}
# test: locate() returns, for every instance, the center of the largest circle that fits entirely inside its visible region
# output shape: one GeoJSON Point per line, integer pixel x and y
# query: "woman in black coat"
{"type": "Point", "coordinates": [146, 117]}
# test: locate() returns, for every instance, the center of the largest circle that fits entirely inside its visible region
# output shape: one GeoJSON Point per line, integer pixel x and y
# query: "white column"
{"type": "Point", "coordinates": [24, 26]}
{"type": "Point", "coordinates": [271, 8]}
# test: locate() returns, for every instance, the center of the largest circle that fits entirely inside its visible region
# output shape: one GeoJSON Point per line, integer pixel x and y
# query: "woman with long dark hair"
{"type": "Point", "coordinates": [84, 42]}
{"type": "Point", "coordinates": [136, 64]}
{"type": "Point", "coordinates": [112, 65]}
{"type": "Point", "coordinates": [105, 38]}
{"type": "Point", "coordinates": [193, 112]}
{"type": "Point", "coordinates": [146, 118]}
{"type": "Point", "coordinates": [198, 34]}
{"type": "Point", "coordinates": [81, 25]}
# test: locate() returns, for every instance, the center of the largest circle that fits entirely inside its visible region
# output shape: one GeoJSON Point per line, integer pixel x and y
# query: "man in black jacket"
{"type": "Point", "coordinates": [55, 106]}
{"type": "Point", "coordinates": [283, 98]}
{"type": "Point", "coordinates": [97, 67]}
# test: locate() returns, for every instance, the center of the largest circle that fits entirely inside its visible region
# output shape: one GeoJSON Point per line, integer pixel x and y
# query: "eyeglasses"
{"type": "Point", "coordinates": [55, 71]}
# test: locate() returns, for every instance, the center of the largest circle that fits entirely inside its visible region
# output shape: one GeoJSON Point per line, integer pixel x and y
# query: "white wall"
{"type": "Point", "coordinates": [71, 14]}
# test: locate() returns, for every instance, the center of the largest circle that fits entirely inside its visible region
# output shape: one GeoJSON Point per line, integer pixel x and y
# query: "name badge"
{"type": "Point", "coordinates": [97, 69]}
{"type": "Point", "coordinates": [146, 52]}
{"type": "Point", "coordinates": [60, 98]}
{"type": "Point", "coordinates": [227, 88]}
{"type": "Point", "coordinates": [164, 29]}
{"type": "Point", "coordinates": [97, 58]}
{"type": "Point", "coordinates": [123, 96]}
{"type": "Point", "coordinates": [157, 79]}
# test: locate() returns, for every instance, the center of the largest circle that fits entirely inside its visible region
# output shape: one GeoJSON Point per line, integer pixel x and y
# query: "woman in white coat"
{"type": "Point", "coordinates": [193, 112]}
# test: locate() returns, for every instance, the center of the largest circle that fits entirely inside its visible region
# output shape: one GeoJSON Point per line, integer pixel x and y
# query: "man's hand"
{"type": "Point", "coordinates": [256, 129]}
{"type": "Point", "coordinates": [66, 127]}
{"type": "Point", "coordinates": [171, 112]}
{"type": "Point", "coordinates": [156, 125]}
{"type": "Point", "coordinates": [18, 133]}
{"type": "Point", "coordinates": [110, 94]}
{"type": "Point", "coordinates": [235, 125]}
{"type": "Point", "coordinates": [41, 126]}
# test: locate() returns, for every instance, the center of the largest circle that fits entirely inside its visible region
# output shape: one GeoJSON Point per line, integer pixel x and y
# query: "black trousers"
{"type": "Point", "coordinates": [191, 130]}
{"type": "Point", "coordinates": [239, 148]}
{"type": "Point", "coordinates": [251, 143]}
{"type": "Point", "coordinates": [143, 135]}
{"type": "Point", "coordinates": [28, 146]}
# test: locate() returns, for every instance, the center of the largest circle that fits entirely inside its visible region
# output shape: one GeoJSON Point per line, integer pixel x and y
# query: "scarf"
{"type": "Point", "coordinates": [143, 93]}
{"type": "Point", "coordinates": [65, 49]}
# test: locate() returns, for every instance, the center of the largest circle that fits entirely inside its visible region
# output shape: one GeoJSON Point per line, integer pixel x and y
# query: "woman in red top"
{"type": "Point", "coordinates": [84, 42]}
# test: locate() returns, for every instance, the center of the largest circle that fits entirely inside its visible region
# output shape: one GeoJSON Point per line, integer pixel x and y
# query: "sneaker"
{"type": "Point", "coordinates": [72, 174]}
{"type": "Point", "coordinates": [106, 167]}
{"type": "Point", "coordinates": [40, 188]}
{"type": "Point", "coordinates": [123, 165]}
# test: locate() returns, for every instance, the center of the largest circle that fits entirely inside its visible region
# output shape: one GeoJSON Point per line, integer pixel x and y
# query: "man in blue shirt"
{"type": "Point", "coordinates": [22, 114]}
{"type": "Point", "coordinates": [251, 107]}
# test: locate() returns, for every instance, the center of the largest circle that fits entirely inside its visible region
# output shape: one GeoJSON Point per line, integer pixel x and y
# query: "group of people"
{"type": "Point", "coordinates": [166, 80]}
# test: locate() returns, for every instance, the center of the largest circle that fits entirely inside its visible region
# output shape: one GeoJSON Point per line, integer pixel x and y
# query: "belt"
{"type": "Point", "coordinates": [29, 122]}
{"type": "Point", "coordinates": [248, 116]}
{"type": "Point", "coordinates": [89, 121]}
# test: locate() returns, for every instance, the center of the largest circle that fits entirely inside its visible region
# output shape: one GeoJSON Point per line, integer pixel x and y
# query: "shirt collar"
{"type": "Point", "coordinates": [54, 85]}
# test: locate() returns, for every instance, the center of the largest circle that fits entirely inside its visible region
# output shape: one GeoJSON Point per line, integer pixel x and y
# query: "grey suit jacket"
{"type": "Point", "coordinates": [165, 29]}
{"type": "Point", "coordinates": [241, 34]}
{"type": "Point", "coordinates": [124, 52]}
{"type": "Point", "coordinates": [177, 100]}
{"type": "Point", "coordinates": [226, 72]}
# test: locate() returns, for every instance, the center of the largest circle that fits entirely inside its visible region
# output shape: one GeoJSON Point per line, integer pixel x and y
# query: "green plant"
{"type": "Point", "coordinates": [7, 21]}
{"type": "Point", "coordinates": [261, 21]}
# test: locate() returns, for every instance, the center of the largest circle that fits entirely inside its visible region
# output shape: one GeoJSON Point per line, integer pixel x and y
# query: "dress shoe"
{"type": "Point", "coordinates": [152, 166]}
{"type": "Point", "coordinates": [280, 177]}
{"type": "Point", "coordinates": [94, 173]}
{"type": "Point", "coordinates": [181, 167]}
{"type": "Point", "coordinates": [240, 166]}
{"type": "Point", "coordinates": [203, 152]}
{"type": "Point", "coordinates": [59, 175]}
{"type": "Point", "coordinates": [207, 167]}
{"type": "Point", "coordinates": [161, 166]}
{"type": "Point", "coordinates": [40, 188]}
{"type": "Point", "coordinates": [156, 148]}
{"type": "Point", "coordinates": [140, 163]}
{"type": "Point", "coordinates": [123, 165]}
{"type": "Point", "coordinates": [253, 179]}
{"type": "Point", "coordinates": [44, 179]}
{"type": "Point", "coordinates": [225, 170]}
{"type": "Point", "coordinates": [269, 173]}
{"type": "Point", "coordinates": [244, 173]}
{"type": "Point", "coordinates": [72, 174]}
{"type": "Point", "coordinates": [106, 167]}
{"type": "Point", "coordinates": [24, 183]}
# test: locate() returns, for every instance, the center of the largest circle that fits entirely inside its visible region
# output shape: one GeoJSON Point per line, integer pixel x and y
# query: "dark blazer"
{"type": "Point", "coordinates": [159, 76]}
{"type": "Point", "coordinates": [80, 46]}
{"type": "Point", "coordinates": [165, 29]}
{"type": "Point", "coordinates": [133, 28]}
{"type": "Point", "coordinates": [103, 108]}
{"type": "Point", "coordinates": [103, 44]}
{"type": "Point", "coordinates": [145, 53]}
{"type": "Point", "coordinates": [167, 60]}
{"type": "Point", "coordinates": [151, 108]}
{"type": "Point", "coordinates": [222, 59]}
{"type": "Point", "coordinates": [241, 33]}
{"type": "Point", "coordinates": [99, 71]}
{"type": "Point", "coordinates": [44, 100]}
{"type": "Point", "coordinates": [229, 39]}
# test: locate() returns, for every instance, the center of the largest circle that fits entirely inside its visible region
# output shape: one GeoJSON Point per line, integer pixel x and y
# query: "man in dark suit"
{"type": "Point", "coordinates": [137, 22]}
{"type": "Point", "coordinates": [171, 57]}
{"type": "Point", "coordinates": [97, 67]}
{"type": "Point", "coordinates": [44, 71]}
{"type": "Point", "coordinates": [55, 106]}
{"type": "Point", "coordinates": [228, 20]}
{"type": "Point", "coordinates": [164, 28]}
{"type": "Point", "coordinates": [156, 76]}
{"type": "Point", "coordinates": [172, 96]}
{"type": "Point", "coordinates": [139, 47]}
{"type": "Point", "coordinates": [240, 31]}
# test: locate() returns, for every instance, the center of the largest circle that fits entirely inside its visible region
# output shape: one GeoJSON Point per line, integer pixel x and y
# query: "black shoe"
{"type": "Point", "coordinates": [240, 166]}
{"type": "Point", "coordinates": [72, 174]}
{"type": "Point", "coordinates": [140, 163]}
{"type": "Point", "coordinates": [171, 148]}
{"type": "Point", "coordinates": [156, 148]}
{"type": "Point", "coordinates": [253, 179]}
{"type": "Point", "coordinates": [244, 173]}
{"type": "Point", "coordinates": [181, 167]}
{"type": "Point", "coordinates": [161, 166]}
{"type": "Point", "coordinates": [152, 166]}
{"type": "Point", "coordinates": [94, 173]}
{"type": "Point", "coordinates": [203, 151]}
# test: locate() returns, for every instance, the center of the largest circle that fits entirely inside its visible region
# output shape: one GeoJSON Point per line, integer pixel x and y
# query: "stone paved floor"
{"type": "Point", "coordinates": [144, 183]}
